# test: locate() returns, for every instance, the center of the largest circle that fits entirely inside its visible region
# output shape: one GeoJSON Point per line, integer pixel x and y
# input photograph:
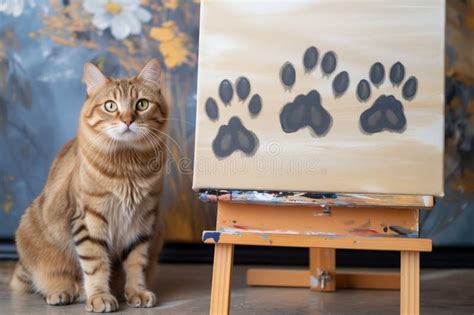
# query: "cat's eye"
{"type": "Point", "coordinates": [110, 106]}
{"type": "Point", "coordinates": [142, 104]}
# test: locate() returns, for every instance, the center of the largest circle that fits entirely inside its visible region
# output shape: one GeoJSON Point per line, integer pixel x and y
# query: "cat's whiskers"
{"type": "Point", "coordinates": [105, 143]}
{"type": "Point", "coordinates": [148, 136]}
{"type": "Point", "coordinates": [177, 119]}
{"type": "Point", "coordinates": [145, 131]}
{"type": "Point", "coordinates": [110, 145]}
{"type": "Point", "coordinates": [169, 137]}
{"type": "Point", "coordinates": [155, 149]}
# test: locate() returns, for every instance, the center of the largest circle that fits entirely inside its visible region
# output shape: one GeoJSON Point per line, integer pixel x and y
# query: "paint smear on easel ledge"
{"type": "Point", "coordinates": [325, 200]}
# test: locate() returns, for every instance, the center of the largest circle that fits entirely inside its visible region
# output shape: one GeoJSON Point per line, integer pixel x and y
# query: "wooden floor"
{"type": "Point", "coordinates": [184, 289]}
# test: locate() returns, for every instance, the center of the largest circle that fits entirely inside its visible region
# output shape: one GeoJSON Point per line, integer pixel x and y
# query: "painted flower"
{"type": "Point", "coordinates": [15, 7]}
{"type": "Point", "coordinates": [174, 44]}
{"type": "Point", "coordinates": [124, 17]}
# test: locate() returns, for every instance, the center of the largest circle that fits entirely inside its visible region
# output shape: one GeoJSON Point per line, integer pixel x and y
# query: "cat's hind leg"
{"type": "Point", "coordinates": [53, 271]}
{"type": "Point", "coordinates": [62, 291]}
{"type": "Point", "coordinates": [48, 257]}
{"type": "Point", "coordinates": [21, 279]}
{"type": "Point", "coordinates": [60, 284]}
{"type": "Point", "coordinates": [60, 287]}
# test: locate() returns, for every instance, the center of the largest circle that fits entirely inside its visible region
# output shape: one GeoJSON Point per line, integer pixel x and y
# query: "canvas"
{"type": "Point", "coordinates": [326, 96]}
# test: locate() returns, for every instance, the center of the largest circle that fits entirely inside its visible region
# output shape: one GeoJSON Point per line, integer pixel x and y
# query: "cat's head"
{"type": "Point", "coordinates": [128, 110]}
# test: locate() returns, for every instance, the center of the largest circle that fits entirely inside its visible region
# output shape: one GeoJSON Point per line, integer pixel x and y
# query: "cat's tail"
{"type": "Point", "coordinates": [21, 280]}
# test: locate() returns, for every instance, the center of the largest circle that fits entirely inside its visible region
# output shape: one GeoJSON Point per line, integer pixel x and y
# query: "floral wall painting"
{"type": "Point", "coordinates": [44, 44]}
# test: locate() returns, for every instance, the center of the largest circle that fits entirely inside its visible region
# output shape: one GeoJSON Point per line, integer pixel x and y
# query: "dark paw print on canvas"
{"type": "Point", "coordinates": [386, 113]}
{"type": "Point", "coordinates": [234, 136]}
{"type": "Point", "coordinates": [306, 110]}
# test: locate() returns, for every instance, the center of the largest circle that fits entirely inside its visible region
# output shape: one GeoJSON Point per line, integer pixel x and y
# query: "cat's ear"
{"type": "Point", "coordinates": [151, 73]}
{"type": "Point", "coordinates": [93, 78]}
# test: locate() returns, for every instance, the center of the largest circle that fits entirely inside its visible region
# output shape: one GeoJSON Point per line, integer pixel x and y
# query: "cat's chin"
{"type": "Point", "coordinates": [127, 136]}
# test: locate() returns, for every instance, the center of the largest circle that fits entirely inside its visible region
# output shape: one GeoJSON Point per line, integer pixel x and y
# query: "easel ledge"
{"type": "Point", "coordinates": [317, 199]}
{"type": "Point", "coordinates": [309, 241]}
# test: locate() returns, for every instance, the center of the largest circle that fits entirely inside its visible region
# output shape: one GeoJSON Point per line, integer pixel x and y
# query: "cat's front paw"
{"type": "Point", "coordinates": [61, 298]}
{"type": "Point", "coordinates": [102, 303]}
{"type": "Point", "coordinates": [143, 298]}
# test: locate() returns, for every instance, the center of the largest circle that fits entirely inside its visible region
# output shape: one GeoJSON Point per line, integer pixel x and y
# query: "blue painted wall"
{"type": "Point", "coordinates": [43, 46]}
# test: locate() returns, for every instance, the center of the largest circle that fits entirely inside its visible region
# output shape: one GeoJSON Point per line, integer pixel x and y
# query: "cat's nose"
{"type": "Point", "coordinates": [127, 119]}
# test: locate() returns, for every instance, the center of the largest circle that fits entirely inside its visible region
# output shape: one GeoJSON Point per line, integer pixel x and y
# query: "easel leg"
{"type": "Point", "coordinates": [409, 283]}
{"type": "Point", "coordinates": [221, 279]}
{"type": "Point", "coordinates": [322, 260]}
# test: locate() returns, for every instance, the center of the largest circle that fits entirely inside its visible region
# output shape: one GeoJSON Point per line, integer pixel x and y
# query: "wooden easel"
{"type": "Point", "coordinates": [323, 228]}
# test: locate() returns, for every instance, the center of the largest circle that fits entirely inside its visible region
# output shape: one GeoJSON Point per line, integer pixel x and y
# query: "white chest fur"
{"type": "Point", "coordinates": [123, 224]}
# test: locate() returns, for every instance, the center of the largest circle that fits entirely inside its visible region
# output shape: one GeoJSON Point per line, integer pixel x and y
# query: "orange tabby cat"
{"type": "Point", "coordinates": [99, 207]}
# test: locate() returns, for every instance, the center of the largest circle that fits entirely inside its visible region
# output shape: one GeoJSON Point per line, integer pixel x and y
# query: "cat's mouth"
{"type": "Point", "coordinates": [124, 133]}
{"type": "Point", "coordinates": [128, 135]}
{"type": "Point", "coordinates": [127, 129]}
{"type": "Point", "coordinates": [129, 132]}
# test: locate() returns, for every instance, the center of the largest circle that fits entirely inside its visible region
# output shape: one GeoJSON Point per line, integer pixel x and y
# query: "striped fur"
{"type": "Point", "coordinates": [99, 208]}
